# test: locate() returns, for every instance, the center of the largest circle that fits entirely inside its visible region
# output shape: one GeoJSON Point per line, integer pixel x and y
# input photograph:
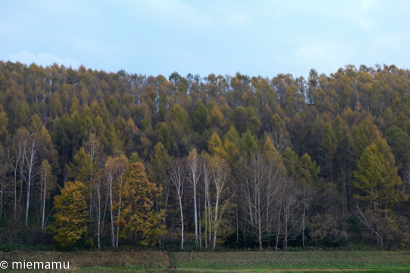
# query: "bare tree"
{"type": "Point", "coordinates": [207, 199]}
{"type": "Point", "coordinates": [99, 183]}
{"type": "Point", "coordinates": [363, 220]}
{"type": "Point", "coordinates": [114, 170]}
{"type": "Point", "coordinates": [31, 158]}
{"type": "Point", "coordinates": [220, 177]}
{"type": "Point", "coordinates": [95, 151]}
{"type": "Point", "coordinates": [280, 139]}
{"type": "Point", "coordinates": [259, 179]}
{"type": "Point", "coordinates": [288, 200]}
{"type": "Point", "coordinates": [15, 158]}
{"type": "Point", "coordinates": [111, 175]}
{"type": "Point", "coordinates": [194, 171]}
{"type": "Point", "coordinates": [122, 164]}
{"type": "Point", "coordinates": [47, 184]}
{"type": "Point", "coordinates": [177, 178]}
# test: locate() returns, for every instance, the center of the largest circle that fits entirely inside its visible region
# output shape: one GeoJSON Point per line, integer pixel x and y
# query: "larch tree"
{"type": "Point", "coordinates": [307, 177]}
{"type": "Point", "coordinates": [376, 178]}
{"type": "Point", "coordinates": [81, 168]}
{"type": "Point", "coordinates": [72, 214]}
{"type": "Point", "coordinates": [138, 218]}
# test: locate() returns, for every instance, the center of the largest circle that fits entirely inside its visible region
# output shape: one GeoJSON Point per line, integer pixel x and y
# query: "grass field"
{"type": "Point", "coordinates": [94, 261]}
{"type": "Point", "coordinates": [239, 261]}
{"type": "Point", "coordinates": [293, 260]}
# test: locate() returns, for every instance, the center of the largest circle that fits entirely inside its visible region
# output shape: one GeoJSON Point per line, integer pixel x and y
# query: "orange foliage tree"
{"type": "Point", "coordinates": [72, 214]}
{"type": "Point", "coordinates": [137, 217]}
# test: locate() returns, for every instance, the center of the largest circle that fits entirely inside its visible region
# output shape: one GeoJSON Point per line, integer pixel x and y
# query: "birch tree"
{"type": "Point", "coordinates": [260, 177]}
{"type": "Point", "coordinates": [15, 158]}
{"type": "Point", "coordinates": [47, 185]}
{"type": "Point", "coordinates": [96, 157]}
{"type": "Point", "coordinates": [99, 184]}
{"type": "Point", "coordinates": [31, 158]}
{"type": "Point", "coordinates": [178, 180]}
{"type": "Point", "coordinates": [194, 171]}
{"type": "Point", "coordinates": [220, 172]}
{"type": "Point", "coordinates": [207, 198]}
{"type": "Point", "coordinates": [110, 173]}
{"type": "Point", "coordinates": [121, 164]}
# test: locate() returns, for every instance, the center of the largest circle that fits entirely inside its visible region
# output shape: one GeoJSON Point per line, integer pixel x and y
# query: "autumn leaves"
{"type": "Point", "coordinates": [130, 210]}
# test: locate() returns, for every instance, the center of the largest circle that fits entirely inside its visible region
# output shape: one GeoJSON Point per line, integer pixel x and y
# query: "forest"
{"type": "Point", "coordinates": [96, 159]}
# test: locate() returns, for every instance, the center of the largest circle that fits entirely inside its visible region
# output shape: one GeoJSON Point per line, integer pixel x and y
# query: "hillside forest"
{"type": "Point", "coordinates": [97, 159]}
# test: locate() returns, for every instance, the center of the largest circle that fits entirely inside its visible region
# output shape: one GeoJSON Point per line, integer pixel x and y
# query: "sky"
{"type": "Point", "coordinates": [258, 38]}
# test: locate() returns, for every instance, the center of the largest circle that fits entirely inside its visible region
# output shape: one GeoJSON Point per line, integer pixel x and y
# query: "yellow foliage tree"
{"type": "Point", "coordinates": [137, 216]}
{"type": "Point", "coordinates": [72, 214]}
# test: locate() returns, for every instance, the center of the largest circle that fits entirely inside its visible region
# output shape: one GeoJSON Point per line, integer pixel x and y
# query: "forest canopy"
{"type": "Point", "coordinates": [240, 161]}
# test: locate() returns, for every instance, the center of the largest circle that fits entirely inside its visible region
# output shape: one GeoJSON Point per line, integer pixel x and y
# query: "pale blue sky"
{"type": "Point", "coordinates": [222, 37]}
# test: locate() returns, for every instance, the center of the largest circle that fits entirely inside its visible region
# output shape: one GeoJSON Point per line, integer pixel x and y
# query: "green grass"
{"type": "Point", "coordinates": [233, 261]}
{"type": "Point", "coordinates": [293, 260]}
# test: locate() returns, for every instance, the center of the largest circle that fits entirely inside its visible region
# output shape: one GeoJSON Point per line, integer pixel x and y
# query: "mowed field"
{"type": "Point", "coordinates": [235, 261]}
{"type": "Point", "coordinates": [366, 261]}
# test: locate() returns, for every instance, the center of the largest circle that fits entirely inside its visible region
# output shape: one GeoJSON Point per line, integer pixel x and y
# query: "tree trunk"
{"type": "Point", "coordinates": [182, 224]}
{"type": "Point", "coordinates": [237, 227]}
{"type": "Point", "coordinates": [31, 163]}
{"type": "Point", "coordinates": [303, 227]}
{"type": "Point", "coordinates": [111, 215]}
{"type": "Point", "coordinates": [206, 220]}
{"type": "Point", "coordinates": [98, 217]}
{"type": "Point", "coordinates": [105, 210]}
{"type": "Point", "coordinates": [199, 224]}
{"type": "Point", "coordinates": [260, 235]}
{"type": "Point", "coordinates": [195, 214]}
{"type": "Point", "coordinates": [285, 240]}
{"type": "Point", "coordinates": [215, 226]}
{"type": "Point", "coordinates": [44, 203]}
{"type": "Point", "coordinates": [119, 212]}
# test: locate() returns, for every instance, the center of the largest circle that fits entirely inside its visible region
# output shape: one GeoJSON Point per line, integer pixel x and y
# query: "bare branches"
{"type": "Point", "coordinates": [260, 183]}
{"type": "Point", "coordinates": [177, 178]}
{"type": "Point", "coordinates": [364, 221]}
{"type": "Point", "coordinates": [194, 171]}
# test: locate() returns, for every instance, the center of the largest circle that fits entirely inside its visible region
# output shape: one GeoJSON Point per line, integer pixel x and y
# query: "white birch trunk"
{"type": "Point", "coordinates": [30, 161]}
